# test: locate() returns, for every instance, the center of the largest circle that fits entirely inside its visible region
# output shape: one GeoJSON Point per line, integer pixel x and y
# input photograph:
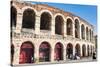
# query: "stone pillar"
{"type": "Point", "coordinates": [53, 26]}
{"type": "Point", "coordinates": [81, 51]}
{"type": "Point", "coordinates": [52, 54]}
{"type": "Point", "coordinates": [19, 22]}
{"type": "Point", "coordinates": [73, 50]}
{"type": "Point", "coordinates": [89, 35]}
{"type": "Point", "coordinates": [64, 54]}
{"type": "Point", "coordinates": [37, 24]}
{"type": "Point", "coordinates": [80, 32]}
{"type": "Point", "coordinates": [36, 54]}
{"type": "Point", "coordinates": [85, 33]}
{"type": "Point", "coordinates": [92, 36]}
{"type": "Point", "coordinates": [86, 50]}
{"type": "Point", "coordinates": [16, 54]}
{"type": "Point", "coordinates": [64, 29]}
{"type": "Point", "coordinates": [73, 29]}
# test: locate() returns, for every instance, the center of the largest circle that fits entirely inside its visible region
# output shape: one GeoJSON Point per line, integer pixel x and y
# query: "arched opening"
{"type": "Point", "coordinates": [28, 19]}
{"type": "Point", "coordinates": [45, 23]}
{"type": "Point", "coordinates": [12, 53]}
{"type": "Point", "coordinates": [44, 52]}
{"type": "Point", "coordinates": [87, 33]}
{"type": "Point", "coordinates": [84, 50]}
{"type": "Point", "coordinates": [59, 25]}
{"type": "Point", "coordinates": [77, 49]}
{"type": "Point", "coordinates": [13, 16]}
{"type": "Point", "coordinates": [83, 31]}
{"type": "Point", "coordinates": [58, 52]}
{"type": "Point", "coordinates": [88, 50]}
{"type": "Point", "coordinates": [69, 27]}
{"type": "Point", "coordinates": [77, 29]}
{"type": "Point", "coordinates": [69, 51]}
{"type": "Point", "coordinates": [26, 53]}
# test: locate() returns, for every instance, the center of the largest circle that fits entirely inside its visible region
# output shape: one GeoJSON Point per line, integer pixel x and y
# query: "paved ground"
{"type": "Point", "coordinates": [87, 59]}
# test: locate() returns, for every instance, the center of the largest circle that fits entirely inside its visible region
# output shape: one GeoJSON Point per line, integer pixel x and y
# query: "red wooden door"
{"type": "Point", "coordinates": [26, 54]}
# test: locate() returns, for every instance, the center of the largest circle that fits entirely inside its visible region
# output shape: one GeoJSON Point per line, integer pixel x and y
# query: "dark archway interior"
{"type": "Point", "coordinates": [69, 27]}
{"type": "Point", "coordinates": [83, 31]}
{"type": "Point", "coordinates": [26, 53]}
{"type": "Point", "coordinates": [88, 50]}
{"type": "Point", "coordinates": [77, 49]}
{"type": "Point", "coordinates": [45, 23]}
{"type": "Point", "coordinates": [84, 50]}
{"type": "Point", "coordinates": [13, 16]}
{"type": "Point", "coordinates": [59, 25]}
{"type": "Point", "coordinates": [69, 51]}
{"type": "Point", "coordinates": [44, 52]}
{"type": "Point", "coordinates": [28, 19]}
{"type": "Point", "coordinates": [58, 52]}
{"type": "Point", "coordinates": [76, 28]}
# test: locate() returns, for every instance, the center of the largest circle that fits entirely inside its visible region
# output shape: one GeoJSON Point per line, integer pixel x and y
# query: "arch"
{"type": "Point", "coordinates": [69, 26]}
{"type": "Point", "coordinates": [83, 50]}
{"type": "Point", "coordinates": [87, 33]}
{"type": "Point", "coordinates": [28, 19]}
{"type": "Point", "coordinates": [26, 53]}
{"type": "Point", "coordinates": [69, 51]}
{"type": "Point", "coordinates": [47, 11]}
{"type": "Point", "coordinates": [83, 31]}
{"type": "Point", "coordinates": [77, 49]}
{"type": "Point", "coordinates": [28, 7]}
{"type": "Point", "coordinates": [44, 52]}
{"type": "Point", "coordinates": [45, 21]}
{"type": "Point", "coordinates": [59, 25]}
{"type": "Point", "coordinates": [13, 16]}
{"type": "Point", "coordinates": [88, 50]}
{"type": "Point", "coordinates": [12, 53]}
{"type": "Point", "coordinates": [77, 28]}
{"type": "Point", "coordinates": [58, 55]}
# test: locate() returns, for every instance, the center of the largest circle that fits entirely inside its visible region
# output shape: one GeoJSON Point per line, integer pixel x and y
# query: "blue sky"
{"type": "Point", "coordinates": [87, 12]}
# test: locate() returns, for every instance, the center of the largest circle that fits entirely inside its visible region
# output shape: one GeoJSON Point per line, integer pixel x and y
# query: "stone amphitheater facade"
{"type": "Point", "coordinates": [41, 33]}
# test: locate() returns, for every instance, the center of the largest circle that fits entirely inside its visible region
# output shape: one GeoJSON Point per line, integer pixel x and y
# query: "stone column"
{"type": "Point", "coordinates": [36, 54]}
{"type": "Point", "coordinates": [85, 33]}
{"type": "Point", "coordinates": [81, 51]}
{"type": "Point", "coordinates": [80, 32]}
{"type": "Point", "coordinates": [64, 29]}
{"type": "Point", "coordinates": [52, 54]}
{"type": "Point", "coordinates": [92, 36]}
{"type": "Point", "coordinates": [89, 35]}
{"type": "Point", "coordinates": [64, 54]}
{"type": "Point", "coordinates": [37, 24]}
{"type": "Point", "coordinates": [86, 50]}
{"type": "Point", "coordinates": [73, 29]}
{"type": "Point", "coordinates": [19, 22]}
{"type": "Point", "coordinates": [73, 50]}
{"type": "Point", "coordinates": [53, 26]}
{"type": "Point", "coordinates": [16, 54]}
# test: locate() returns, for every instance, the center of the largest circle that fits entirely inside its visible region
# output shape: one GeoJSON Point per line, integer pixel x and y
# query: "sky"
{"type": "Point", "coordinates": [87, 12]}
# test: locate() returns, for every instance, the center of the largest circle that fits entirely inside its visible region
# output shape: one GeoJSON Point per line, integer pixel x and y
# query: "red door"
{"type": "Point", "coordinates": [26, 53]}
{"type": "Point", "coordinates": [22, 57]}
